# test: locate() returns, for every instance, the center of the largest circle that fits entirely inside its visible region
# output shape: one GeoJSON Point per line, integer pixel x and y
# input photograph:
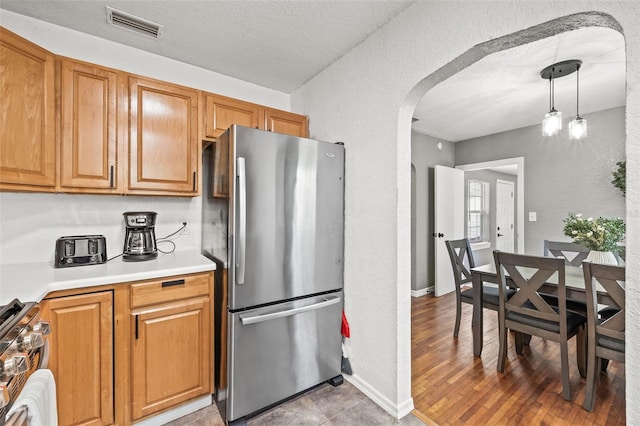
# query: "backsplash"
{"type": "Point", "coordinates": [30, 223]}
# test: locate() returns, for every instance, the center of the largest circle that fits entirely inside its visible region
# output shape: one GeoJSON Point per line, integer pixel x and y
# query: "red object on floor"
{"type": "Point", "coordinates": [345, 326]}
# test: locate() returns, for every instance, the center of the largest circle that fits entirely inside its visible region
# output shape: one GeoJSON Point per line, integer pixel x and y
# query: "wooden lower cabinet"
{"type": "Point", "coordinates": [170, 355]}
{"type": "Point", "coordinates": [127, 351]}
{"type": "Point", "coordinates": [81, 357]}
{"type": "Point", "coordinates": [171, 342]}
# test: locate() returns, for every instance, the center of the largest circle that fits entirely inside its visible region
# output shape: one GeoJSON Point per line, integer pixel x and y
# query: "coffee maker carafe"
{"type": "Point", "coordinates": [140, 238]}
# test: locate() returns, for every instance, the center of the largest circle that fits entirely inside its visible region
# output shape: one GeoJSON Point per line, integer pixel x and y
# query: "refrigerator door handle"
{"type": "Point", "coordinates": [241, 240]}
{"type": "Point", "coordinates": [247, 319]}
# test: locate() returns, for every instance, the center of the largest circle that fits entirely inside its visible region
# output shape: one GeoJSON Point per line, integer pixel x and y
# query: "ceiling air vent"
{"type": "Point", "coordinates": [133, 23]}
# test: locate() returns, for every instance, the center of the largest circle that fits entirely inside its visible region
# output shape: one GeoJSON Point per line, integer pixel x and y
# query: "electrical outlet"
{"type": "Point", "coordinates": [187, 228]}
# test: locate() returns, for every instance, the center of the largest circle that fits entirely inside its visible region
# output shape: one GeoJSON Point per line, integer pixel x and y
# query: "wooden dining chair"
{"type": "Point", "coordinates": [572, 253]}
{"type": "Point", "coordinates": [527, 312]}
{"type": "Point", "coordinates": [605, 333]}
{"type": "Point", "coordinates": [462, 261]}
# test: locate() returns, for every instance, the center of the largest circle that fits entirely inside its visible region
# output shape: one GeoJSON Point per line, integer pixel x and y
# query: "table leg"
{"type": "Point", "coordinates": [476, 322]}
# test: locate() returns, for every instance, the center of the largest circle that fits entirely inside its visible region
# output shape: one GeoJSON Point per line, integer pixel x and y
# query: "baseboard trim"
{"type": "Point", "coordinates": [398, 411]}
{"type": "Point", "coordinates": [422, 291]}
{"type": "Point", "coordinates": [176, 413]}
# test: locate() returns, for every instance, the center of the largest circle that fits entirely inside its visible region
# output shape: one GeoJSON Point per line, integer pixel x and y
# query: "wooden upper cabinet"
{"type": "Point", "coordinates": [220, 112]}
{"type": "Point", "coordinates": [163, 138]}
{"type": "Point", "coordinates": [27, 114]}
{"type": "Point", "coordinates": [285, 122]}
{"type": "Point", "coordinates": [88, 131]}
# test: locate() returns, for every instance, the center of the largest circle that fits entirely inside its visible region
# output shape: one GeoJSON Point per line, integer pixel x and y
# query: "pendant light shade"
{"type": "Point", "coordinates": [552, 123]}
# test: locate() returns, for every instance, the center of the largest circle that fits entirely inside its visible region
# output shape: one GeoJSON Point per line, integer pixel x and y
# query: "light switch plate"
{"type": "Point", "coordinates": [532, 217]}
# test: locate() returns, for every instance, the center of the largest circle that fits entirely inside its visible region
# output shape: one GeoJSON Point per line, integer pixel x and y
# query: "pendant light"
{"type": "Point", "coordinates": [578, 127]}
{"type": "Point", "coordinates": [552, 123]}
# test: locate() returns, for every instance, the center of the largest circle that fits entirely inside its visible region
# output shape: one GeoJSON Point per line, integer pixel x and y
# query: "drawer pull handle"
{"type": "Point", "coordinates": [172, 283]}
{"type": "Point", "coordinates": [137, 327]}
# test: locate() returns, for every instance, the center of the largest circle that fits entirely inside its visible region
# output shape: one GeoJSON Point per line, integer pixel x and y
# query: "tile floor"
{"type": "Point", "coordinates": [323, 405]}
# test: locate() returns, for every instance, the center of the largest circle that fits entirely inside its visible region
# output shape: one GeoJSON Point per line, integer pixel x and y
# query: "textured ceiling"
{"type": "Point", "coordinates": [282, 44]}
{"type": "Point", "coordinates": [275, 44]}
{"type": "Point", "coordinates": [504, 91]}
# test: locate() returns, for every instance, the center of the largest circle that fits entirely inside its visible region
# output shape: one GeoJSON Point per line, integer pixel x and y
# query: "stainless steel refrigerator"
{"type": "Point", "coordinates": [285, 261]}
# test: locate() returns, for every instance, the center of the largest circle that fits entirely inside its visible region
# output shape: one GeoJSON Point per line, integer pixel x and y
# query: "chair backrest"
{"type": "Point", "coordinates": [459, 253]}
{"type": "Point", "coordinates": [527, 274]}
{"type": "Point", "coordinates": [573, 253]}
{"type": "Point", "coordinates": [609, 278]}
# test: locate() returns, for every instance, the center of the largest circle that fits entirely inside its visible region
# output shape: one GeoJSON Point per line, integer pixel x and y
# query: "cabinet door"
{"type": "Point", "coordinates": [286, 122]}
{"type": "Point", "coordinates": [171, 357]}
{"type": "Point", "coordinates": [163, 138]}
{"type": "Point", "coordinates": [27, 114]}
{"type": "Point", "coordinates": [221, 112]}
{"type": "Point", "coordinates": [88, 157]}
{"type": "Point", "coordinates": [81, 358]}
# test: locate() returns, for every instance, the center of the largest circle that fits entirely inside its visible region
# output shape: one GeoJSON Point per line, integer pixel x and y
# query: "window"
{"type": "Point", "coordinates": [477, 202]}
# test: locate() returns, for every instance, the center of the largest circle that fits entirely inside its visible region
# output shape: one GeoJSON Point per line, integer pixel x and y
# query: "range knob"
{"type": "Point", "coordinates": [4, 395]}
{"type": "Point", "coordinates": [17, 364]}
{"type": "Point", "coordinates": [42, 327]}
{"type": "Point", "coordinates": [30, 341]}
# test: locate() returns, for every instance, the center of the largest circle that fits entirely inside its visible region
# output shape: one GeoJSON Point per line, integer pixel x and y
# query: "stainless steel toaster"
{"type": "Point", "coordinates": [80, 250]}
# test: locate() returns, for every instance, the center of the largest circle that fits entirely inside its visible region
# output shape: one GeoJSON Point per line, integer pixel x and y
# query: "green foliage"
{"type": "Point", "coordinates": [602, 234]}
{"type": "Point", "coordinates": [620, 177]}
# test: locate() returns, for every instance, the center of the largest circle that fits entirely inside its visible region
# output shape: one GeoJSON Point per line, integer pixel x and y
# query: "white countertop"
{"type": "Point", "coordinates": [32, 281]}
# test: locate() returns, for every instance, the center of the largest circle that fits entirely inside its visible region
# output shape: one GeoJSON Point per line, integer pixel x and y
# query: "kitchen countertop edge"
{"type": "Point", "coordinates": [33, 281]}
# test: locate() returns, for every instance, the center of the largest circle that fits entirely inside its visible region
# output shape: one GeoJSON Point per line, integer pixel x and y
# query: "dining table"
{"type": "Point", "coordinates": [574, 284]}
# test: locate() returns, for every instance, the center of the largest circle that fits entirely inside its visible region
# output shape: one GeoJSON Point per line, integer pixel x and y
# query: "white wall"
{"type": "Point", "coordinates": [30, 223]}
{"type": "Point", "coordinates": [376, 86]}
{"type": "Point", "coordinates": [561, 175]}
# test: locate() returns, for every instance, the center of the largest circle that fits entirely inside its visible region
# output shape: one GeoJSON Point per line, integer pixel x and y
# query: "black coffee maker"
{"type": "Point", "coordinates": [140, 239]}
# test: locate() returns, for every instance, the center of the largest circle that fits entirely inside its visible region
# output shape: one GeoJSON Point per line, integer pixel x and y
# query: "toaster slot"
{"type": "Point", "coordinates": [69, 248]}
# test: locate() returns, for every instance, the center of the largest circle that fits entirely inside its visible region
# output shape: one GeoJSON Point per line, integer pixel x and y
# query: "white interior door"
{"type": "Point", "coordinates": [449, 222]}
{"type": "Point", "coordinates": [504, 216]}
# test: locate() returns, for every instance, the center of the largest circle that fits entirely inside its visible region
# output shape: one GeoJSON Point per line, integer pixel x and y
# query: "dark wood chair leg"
{"type": "Point", "coordinates": [581, 352]}
{"type": "Point", "coordinates": [592, 380]}
{"type": "Point", "coordinates": [502, 350]}
{"type": "Point", "coordinates": [519, 342]}
{"type": "Point", "coordinates": [456, 328]}
{"type": "Point", "coordinates": [566, 384]}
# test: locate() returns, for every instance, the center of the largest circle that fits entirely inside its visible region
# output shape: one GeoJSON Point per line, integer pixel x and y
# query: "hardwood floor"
{"type": "Point", "coordinates": [452, 387]}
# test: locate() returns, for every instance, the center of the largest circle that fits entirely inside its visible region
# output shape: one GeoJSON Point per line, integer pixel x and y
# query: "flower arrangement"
{"type": "Point", "coordinates": [601, 234]}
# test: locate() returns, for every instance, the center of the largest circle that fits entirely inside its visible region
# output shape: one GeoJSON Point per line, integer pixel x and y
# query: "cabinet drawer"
{"type": "Point", "coordinates": [170, 288]}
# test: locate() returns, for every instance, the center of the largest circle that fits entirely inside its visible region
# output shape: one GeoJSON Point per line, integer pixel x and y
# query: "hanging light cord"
{"type": "Point", "coordinates": [550, 94]}
{"type": "Point", "coordinates": [577, 91]}
{"type": "Point", "coordinates": [553, 91]}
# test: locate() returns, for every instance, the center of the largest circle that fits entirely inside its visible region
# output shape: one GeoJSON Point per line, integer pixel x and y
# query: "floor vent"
{"type": "Point", "coordinates": [133, 23]}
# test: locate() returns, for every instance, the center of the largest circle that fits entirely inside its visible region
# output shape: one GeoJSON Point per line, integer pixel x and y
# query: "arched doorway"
{"type": "Point", "coordinates": [478, 52]}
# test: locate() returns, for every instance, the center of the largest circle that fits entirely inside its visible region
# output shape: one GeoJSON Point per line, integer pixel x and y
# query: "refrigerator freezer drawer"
{"type": "Point", "coordinates": [280, 350]}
